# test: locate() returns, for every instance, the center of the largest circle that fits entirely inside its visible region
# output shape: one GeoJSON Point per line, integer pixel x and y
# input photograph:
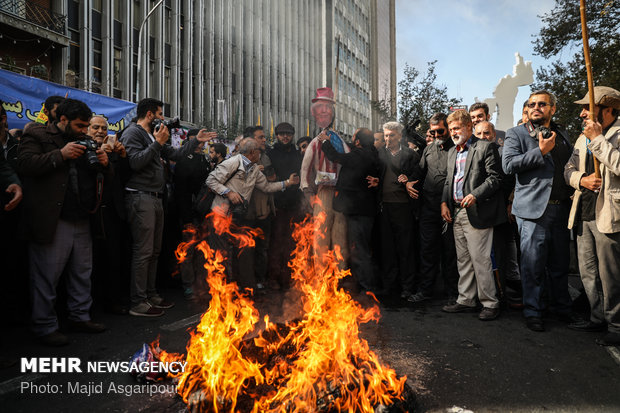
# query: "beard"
{"type": "Point", "coordinates": [460, 139]}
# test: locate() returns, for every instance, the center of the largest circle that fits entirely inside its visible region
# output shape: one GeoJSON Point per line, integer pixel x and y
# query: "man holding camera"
{"type": "Point", "coordinates": [145, 143]}
{"type": "Point", "coordinates": [536, 153]}
{"type": "Point", "coordinates": [60, 178]}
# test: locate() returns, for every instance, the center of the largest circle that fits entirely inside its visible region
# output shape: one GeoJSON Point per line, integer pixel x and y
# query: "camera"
{"type": "Point", "coordinates": [534, 130]}
{"type": "Point", "coordinates": [91, 151]}
{"type": "Point", "coordinates": [239, 210]}
{"type": "Point", "coordinates": [173, 123]}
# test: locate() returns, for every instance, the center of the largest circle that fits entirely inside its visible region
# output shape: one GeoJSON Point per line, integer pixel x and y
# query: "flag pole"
{"type": "Point", "coordinates": [586, 55]}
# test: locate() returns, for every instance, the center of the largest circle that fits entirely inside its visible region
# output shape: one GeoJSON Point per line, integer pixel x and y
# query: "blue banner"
{"type": "Point", "coordinates": [23, 98]}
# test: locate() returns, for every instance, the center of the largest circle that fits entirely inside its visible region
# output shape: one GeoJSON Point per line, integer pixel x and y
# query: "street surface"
{"type": "Point", "coordinates": [452, 361]}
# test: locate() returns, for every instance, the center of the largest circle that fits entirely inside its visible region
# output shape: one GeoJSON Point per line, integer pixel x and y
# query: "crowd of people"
{"type": "Point", "coordinates": [481, 216]}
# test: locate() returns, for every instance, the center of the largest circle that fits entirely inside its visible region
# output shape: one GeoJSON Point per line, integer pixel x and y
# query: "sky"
{"type": "Point", "coordinates": [473, 41]}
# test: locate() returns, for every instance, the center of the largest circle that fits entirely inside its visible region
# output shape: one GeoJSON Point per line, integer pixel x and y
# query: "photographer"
{"type": "Point", "coordinates": [60, 168]}
{"type": "Point", "coordinates": [145, 143]}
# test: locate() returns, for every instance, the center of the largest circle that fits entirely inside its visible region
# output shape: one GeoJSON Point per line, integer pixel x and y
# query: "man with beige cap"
{"type": "Point", "coordinates": [595, 212]}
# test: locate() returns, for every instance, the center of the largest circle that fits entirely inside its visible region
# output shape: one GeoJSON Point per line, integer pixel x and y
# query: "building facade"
{"type": "Point", "coordinates": [213, 62]}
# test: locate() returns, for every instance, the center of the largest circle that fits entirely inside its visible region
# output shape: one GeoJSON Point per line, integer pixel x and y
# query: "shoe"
{"type": "Point", "coordinates": [418, 298]}
{"type": "Point", "coordinates": [535, 324]}
{"type": "Point", "coordinates": [144, 309]}
{"type": "Point", "coordinates": [55, 339]}
{"type": "Point", "coordinates": [458, 308]}
{"type": "Point", "coordinates": [609, 339]}
{"type": "Point", "coordinates": [159, 302]}
{"type": "Point", "coordinates": [405, 294]}
{"type": "Point", "coordinates": [87, 327]}
{"type": "Point", "coordinates": [587, 326]}
{"type": "Point", "coordinates": [488, 313]}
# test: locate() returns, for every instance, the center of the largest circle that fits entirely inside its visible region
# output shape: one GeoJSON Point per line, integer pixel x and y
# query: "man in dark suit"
{"type": "Point", "coordinates": [400, 171]}
{"type": "Point", "coordinates": [436, 244]}
{"type": "Point", "coordinates": [541, 204]}
{"type": "Point", "coordinates": [472, 202]}
{"type": "Point", "coordinates": [356, 198]}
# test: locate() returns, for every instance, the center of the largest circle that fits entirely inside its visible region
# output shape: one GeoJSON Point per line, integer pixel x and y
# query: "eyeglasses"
{"type": "Point", "coordinates": [437, 132]}
{"type": "Point", "coordinates": [539, 104]}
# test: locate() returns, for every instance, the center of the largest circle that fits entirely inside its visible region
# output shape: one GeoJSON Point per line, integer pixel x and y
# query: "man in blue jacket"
{"type": "Point", "coordinates": [536, 153]}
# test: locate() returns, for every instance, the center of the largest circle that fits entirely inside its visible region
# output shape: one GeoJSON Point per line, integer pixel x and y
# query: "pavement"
{"type": "Point", "coordinates": [454, 362]}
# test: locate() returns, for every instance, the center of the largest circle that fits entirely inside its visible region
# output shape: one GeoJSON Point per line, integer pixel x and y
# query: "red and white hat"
{"type": "Point", "coordinates": [325, 94]}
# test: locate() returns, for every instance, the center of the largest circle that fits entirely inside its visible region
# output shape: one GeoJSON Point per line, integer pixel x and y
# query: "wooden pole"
{"type": "Point", "coordinates": [586, 55]}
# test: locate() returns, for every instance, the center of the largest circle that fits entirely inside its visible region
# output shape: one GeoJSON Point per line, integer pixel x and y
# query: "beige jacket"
{"type": "Point", "coordinates": [607, 150]}
{"type": "Point", "coordinates": [241, 181]}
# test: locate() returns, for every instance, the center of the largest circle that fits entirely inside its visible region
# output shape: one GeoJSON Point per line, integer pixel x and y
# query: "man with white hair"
{"type": "Point", "coordinates": [400, 171]}
{"type": "Point", "coordinates": [472, 203]}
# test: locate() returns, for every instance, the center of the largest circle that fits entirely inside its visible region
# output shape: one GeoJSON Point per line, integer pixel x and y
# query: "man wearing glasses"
{"type": "Point", "coordinates": [536, 152]}
{"type": "Point", "coordinates": [436, 246]}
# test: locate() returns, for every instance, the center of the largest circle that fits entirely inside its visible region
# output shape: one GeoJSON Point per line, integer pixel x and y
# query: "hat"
{"type": "Point", "coordinates": [285, 127]}
{"type": "Point", "coordinates": [324, 93]}
{"type": "Point", "coordinates": [604, 96]}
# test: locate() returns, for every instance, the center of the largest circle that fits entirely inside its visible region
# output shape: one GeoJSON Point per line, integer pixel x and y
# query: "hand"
{"type": "Point", "coordinates": [322, 136]}
{"type": "Point", "coordinates": [413, 193]}
{"type": "Point", "coordinates": [72, 151]}
{"type": "Point", "coordinates": [402, 179]}
{"type": "Point", "coordinates": [16, 190]}
{"type": "Point", "coordinates": [103, 157]}
{"type": "Point", "coordinates": [204, 136]}
{"type": "Point", "coordinates": [546, 145]}
{"type": "Point", "coordinates": [468, 201]}
{"type": "Point", "coordinates": [445, 213]}
{"type": "Point", "coordinates": [261, 168]}
{"type": "Point", "coordinates": [591, 182]}
{"type": "Point", "coordinates": [293, 179]}
{"type": "Point", "coordinates": [162, 134]}
{"type": "Point", "coordinates": [592, 129]}
{"type": "Point", "coordinates": [372, 181]}
{"type": "Point", "coordinates": [234, 197]}
{"type": "Point", "coordinates": [120, 149]}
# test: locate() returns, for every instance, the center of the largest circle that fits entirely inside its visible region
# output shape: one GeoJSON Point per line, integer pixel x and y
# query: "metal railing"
{"type": "Point", "coordinates": [34, 13]}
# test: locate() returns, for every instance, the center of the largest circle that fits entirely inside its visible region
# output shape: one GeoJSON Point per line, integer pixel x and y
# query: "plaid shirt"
{"type": "Point", "coordinates": [459, 172]}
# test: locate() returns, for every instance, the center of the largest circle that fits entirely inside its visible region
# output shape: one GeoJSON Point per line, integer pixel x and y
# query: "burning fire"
{"type": "Point", "coordinates": [315, 363]}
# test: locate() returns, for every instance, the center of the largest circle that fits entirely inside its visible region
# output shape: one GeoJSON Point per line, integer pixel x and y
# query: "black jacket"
{"type": "Point", "coordinates": [433, 168]}
{"type": "Point", "coordinates": [352, 196]}
{"type": "Point", "coordinates": [285, 160]}
{"type": "Point", "coordinates": [409, 166]}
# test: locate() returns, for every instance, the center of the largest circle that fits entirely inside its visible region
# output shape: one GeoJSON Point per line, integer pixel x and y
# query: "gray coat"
{"type": "Point", "coordinates": [144, 155]}
{"type": "Point", "coordinates": [534, 173]}
{"type": "Point", "coordinates": [482, 180]}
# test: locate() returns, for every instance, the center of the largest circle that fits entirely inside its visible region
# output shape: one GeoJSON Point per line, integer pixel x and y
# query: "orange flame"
{"type": "Point", "coordinates": [319, 362]}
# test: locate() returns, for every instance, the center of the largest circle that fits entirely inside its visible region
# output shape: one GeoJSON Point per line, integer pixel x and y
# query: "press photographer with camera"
{"type": "Point", "coordinates": [145, 143]}
{"type": "Point", "coordinates": [60, 167]}
{"type": "Point", "coordinates": [536, 152]}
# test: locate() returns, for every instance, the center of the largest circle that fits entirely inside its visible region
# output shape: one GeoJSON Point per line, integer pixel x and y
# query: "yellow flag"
{"type": "Point", "coordinates": [271, 128]}
{"type": "Point", "coordinates": [42, 117]}
{"type": "Point", "coordinates": [258, 123]}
